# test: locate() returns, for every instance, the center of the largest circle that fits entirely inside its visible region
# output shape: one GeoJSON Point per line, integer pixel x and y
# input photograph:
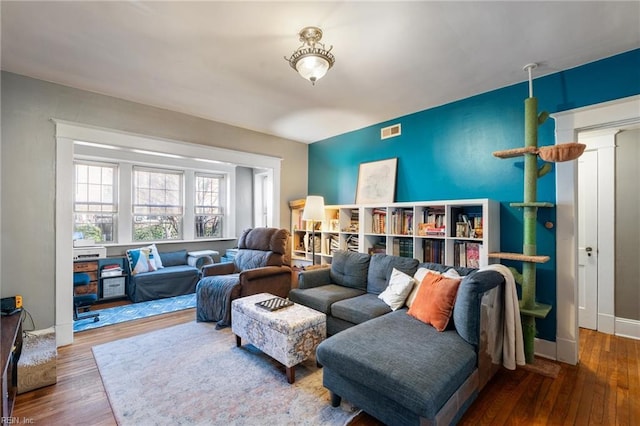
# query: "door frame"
{"type": "Point", "coordinates": [604, 142]}
{"type": "Point", "coordinates": [608, 115]}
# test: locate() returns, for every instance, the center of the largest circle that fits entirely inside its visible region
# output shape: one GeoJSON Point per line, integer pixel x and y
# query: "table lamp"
{"type": "Point", "coordinates": [314, 212]}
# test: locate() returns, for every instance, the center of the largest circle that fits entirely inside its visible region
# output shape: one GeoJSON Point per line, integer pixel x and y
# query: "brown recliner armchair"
{"type": "Point", "coordinates": [261, 265]}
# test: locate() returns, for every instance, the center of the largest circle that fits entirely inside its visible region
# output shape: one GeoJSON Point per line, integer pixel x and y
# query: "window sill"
{"type": "Point", "coordinates": [166, 242]}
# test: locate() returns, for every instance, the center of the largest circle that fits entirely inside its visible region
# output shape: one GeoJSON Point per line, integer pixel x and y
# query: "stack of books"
{"type": "Point", "coordinates": [113, 270]}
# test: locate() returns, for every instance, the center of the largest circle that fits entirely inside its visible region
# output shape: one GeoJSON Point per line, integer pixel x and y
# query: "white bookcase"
{"type": "Point", "coordinates": [452, 232]}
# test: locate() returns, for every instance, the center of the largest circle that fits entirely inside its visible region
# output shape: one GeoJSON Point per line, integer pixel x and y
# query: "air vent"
{"type": "Point", "coordinates": [390, 131]}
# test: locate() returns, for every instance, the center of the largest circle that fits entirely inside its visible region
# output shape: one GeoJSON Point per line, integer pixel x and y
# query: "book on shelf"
{"type": "Point", "coordinates": [378, 247]}
{"type": "Point", "coordinates": [473, 255]}
{"type": "Point", "coordinates": [402, 221]}
{"type": "Point", "coordinates": [433, 222]}
{"type": "Point", "coordinates": [379, 221]}
{"type": "Point", "coordinates": [352, 243]}
{"type": "Point", "coordinates": [433, 251]}
{"type": "Point", "coordinates": [112, 270]}
{"type": "Point", "coordinates": [466, 254]}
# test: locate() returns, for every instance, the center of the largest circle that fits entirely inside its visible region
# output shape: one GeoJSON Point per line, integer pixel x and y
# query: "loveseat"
{"type": "Point", "coordinates": [175, 278]}
{"type": "Point", "coordinates": [400, 369]}
{"type": "Point", "coordinates": [348, 291]}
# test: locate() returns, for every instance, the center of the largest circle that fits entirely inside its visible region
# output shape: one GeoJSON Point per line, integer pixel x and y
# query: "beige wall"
{"type": "Point", "coordinates": [28, 171]}
{"type": "Point", "coordinates": [627, 288]}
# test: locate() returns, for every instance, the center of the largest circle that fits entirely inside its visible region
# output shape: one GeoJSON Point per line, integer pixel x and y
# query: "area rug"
{"type": "Point", "coordinates": [118, 314]}
{"type": "Point", "coordinates": [193, 374]}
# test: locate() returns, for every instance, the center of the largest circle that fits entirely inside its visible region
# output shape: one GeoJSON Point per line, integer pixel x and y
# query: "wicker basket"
{"type": "Point", "coordinates": [561, 152]}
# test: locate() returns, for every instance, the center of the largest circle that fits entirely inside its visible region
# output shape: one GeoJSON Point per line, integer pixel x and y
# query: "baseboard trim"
{"type": "Point", "coordinates": [545, 348]}
{"type": "Point", "coordinates": [567, 351]}
{"type": "Point", "coordinates": [64, 334]}
{"type": "Point", "coordinates": [628, 328]}
{"type": "Point", "coordinates": [606, 323]}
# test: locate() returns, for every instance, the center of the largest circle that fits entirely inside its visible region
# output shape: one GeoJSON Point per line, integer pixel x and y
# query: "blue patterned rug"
{"type": "Point", "coordinates": [135, 311]}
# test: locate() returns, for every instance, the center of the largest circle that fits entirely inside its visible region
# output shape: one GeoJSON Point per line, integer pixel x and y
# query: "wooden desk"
{"type": "Point", "coordinates": [10, 349]}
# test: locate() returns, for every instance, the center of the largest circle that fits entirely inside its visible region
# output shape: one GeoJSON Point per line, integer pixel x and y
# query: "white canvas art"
{"type": "Point", "coordinates": [377, 182]}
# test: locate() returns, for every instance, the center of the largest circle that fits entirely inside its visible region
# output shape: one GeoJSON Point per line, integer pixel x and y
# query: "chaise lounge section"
{"type": "Point", "coordinates": [405, 372]}
{"type": "Point", "coordinates": [400, 369]}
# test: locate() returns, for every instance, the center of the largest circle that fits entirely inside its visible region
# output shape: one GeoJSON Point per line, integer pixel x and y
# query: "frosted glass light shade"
{"type": "Point", "coordinates": [312, 67]}
{"type": "Point", "coordinates": [314, 208]}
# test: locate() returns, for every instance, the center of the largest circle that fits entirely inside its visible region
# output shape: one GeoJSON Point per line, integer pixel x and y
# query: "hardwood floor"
{"type": "Point", "coordinates": [603, 389]}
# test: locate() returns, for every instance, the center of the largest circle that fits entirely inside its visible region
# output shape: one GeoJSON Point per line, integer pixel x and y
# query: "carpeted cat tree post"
{"type": "Point", "coordinates": [530, 309]}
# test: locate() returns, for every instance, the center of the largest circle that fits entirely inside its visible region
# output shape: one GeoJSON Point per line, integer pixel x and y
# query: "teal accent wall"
{"type": "Point", "coordinates": [446, 153]}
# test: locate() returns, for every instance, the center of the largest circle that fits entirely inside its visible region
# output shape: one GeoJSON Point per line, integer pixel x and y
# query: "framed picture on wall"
{"type": "Point", "coordinates": [377, 182]}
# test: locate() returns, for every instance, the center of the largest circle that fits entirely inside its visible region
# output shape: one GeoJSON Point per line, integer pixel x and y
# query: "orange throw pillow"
{"type": "Point", "coordinates": [434, 302]}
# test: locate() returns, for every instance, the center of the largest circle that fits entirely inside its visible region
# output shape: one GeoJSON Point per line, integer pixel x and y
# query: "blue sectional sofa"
{"type": "Point", "coordinates": [176, 278]}
{"type": "Point", "coordinates": [399, 369]}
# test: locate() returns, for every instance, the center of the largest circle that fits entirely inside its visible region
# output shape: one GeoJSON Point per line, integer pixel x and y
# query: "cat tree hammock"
{"type": "Point", "coordinates": [530, 309]}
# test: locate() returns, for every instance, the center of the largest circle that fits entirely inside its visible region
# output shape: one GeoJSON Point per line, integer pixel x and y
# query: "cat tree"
{"type": "Point", "coordinates": [530, 309]}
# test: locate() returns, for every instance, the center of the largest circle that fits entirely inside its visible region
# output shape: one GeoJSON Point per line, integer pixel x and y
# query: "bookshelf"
{"type": "Point", "coordinates": [452, 232]}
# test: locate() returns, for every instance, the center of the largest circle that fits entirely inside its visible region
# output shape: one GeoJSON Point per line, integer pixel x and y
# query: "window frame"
{"type": "Point", "coordinates": [115, 196]}
{"type": "Point", "coordinates": [179, 208]}
{"type": "Point", "coordinates": [220, 205]}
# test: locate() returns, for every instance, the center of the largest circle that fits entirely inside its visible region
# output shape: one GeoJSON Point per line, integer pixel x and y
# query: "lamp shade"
{"type": "Point", "coordinates": [312, 67]}
{"type": "Point", "coordinates": [314, 208]}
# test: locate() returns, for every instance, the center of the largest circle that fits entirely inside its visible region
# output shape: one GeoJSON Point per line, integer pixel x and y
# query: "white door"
{"type": "Point", "coordinates": [588, 240]}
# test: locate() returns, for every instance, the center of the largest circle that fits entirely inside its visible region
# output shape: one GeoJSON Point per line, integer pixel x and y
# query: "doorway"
{"type": "Point", "coordinates": [569, 124]}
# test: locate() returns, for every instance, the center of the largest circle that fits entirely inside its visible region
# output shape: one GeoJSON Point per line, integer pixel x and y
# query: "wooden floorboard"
{"type": "Point", "coordinates": [604, 389]}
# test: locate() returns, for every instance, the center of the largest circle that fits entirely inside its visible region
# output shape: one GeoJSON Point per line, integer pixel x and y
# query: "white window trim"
{"type": "Point", "coordinates": [66, 133]}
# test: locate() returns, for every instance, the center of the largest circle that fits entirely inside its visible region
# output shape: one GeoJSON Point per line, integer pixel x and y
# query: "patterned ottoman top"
{"type": "Point", "coordinates": [289, 320]}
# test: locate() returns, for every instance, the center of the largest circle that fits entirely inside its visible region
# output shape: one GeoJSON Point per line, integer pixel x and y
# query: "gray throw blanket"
{"type": "Point", "coordinates": [213, 301]}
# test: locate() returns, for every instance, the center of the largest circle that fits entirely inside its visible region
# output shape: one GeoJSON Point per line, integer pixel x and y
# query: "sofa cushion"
{"type": "Point", "coordinates": [380, 269]}
{"type": "Point", "coordinates": [321, 298]}
{"type": "Point", "coordinates": [349, 269]}
{"type": "Point", "coordinates": [174, 258]}
{"type": "Point", "coordinates": [466, 311]}
{"type": "Point", "coordinates": [264, 239]}
{"type": "Point", "coordinates": [434, 301]}
{"type": "Point", "coordinates": [359, 309]}
{"type": "Point", "coordinates": [445, 360]}
{"type": "Point", "coordinates": [251, 259]}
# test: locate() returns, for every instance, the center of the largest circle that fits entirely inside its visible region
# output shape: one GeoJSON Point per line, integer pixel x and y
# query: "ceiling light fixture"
{"type": "Point", "coordinates": [312, 60]}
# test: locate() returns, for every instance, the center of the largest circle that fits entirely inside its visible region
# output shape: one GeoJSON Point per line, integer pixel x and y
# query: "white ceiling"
{"type": "Point", "coordinates": [224, 61]}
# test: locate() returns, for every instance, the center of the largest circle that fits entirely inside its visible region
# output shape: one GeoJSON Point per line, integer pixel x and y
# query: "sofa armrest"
{"type": "Point", "coordinates": [270, 279]}
{"type": "Point", "coordinates": [314, 278]}
{"type": "Point", "coordinates": [267, 271]}
{"type": "Point", "coordinates": [218, 269]}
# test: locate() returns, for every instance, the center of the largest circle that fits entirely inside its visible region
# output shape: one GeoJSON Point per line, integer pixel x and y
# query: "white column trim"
{"type": "Point", "coordinates": [63, 279]}
{"type": "Point", "coordinates": [568, 125]}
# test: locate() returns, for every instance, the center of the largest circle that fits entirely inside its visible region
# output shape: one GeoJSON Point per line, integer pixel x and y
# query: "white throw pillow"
{"type": "Point", "coordinates": [419, 276]}
{"type": "Point", "coordinates": [400, 284]}
{"type": "Point", "coordinates": [155, 256]}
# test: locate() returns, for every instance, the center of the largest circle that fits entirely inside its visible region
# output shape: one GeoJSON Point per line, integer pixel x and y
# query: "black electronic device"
{"type": "Point", "coordinates": [10, 305]}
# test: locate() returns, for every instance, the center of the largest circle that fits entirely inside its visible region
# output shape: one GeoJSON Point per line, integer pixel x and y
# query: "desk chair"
{"type": "Point", "coordinates": [83, 301]}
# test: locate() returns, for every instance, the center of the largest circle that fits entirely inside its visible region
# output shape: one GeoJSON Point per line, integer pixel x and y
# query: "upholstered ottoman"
{"type": "Point", "coordinates": [289, 335]}
{"type": "Point", "coordinates": [37, 363]}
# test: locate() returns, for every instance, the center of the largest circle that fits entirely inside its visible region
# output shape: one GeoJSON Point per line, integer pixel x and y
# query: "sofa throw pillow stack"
{"type": "Point", "coordinates": [435, 299]}
{"type": "Point", "coordinates": [400, 285]}
{"type": "Point", "coordinates": [144, 259]}
{"type": "Point", "coordinates": [419, 277]}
